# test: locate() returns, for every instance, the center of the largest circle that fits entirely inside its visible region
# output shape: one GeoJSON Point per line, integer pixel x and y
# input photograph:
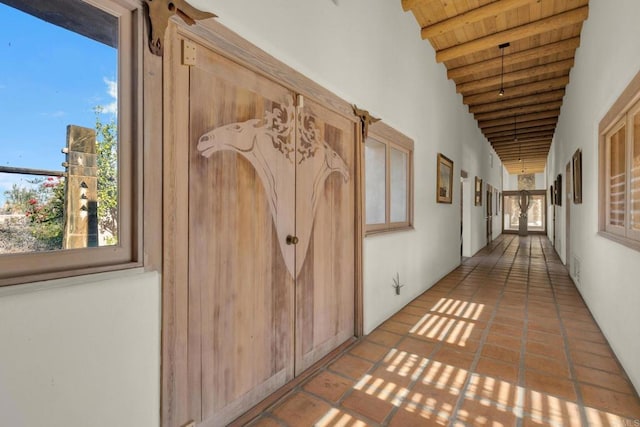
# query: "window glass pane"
{"type": "Point", "coordinates": [635, 174]}
{"type": "Point", "coordinates": [58, 85]}
{"type": "Point", "coordinates": [617, 180]}
{"type": "Point", "coordinates": [535, 214]}
{"type": "Point", "coordinates": [375, 181]}
{"type": "Point", "coordinates": [511, 213]}
{"type": "Point", "coordinates": [399, 170]}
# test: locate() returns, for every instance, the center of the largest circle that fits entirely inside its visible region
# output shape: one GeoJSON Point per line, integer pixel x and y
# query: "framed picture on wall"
{"type": "Point", "coordinates": [552, 196]}
{"type": "Point", "coordinates": [577, 177]}
{"type": "Point", "coordinates": [559, 190]}
{"type": "Point", "coordinates": [478, 192]}
{"type": "Point", "coordinates": [444, 188]}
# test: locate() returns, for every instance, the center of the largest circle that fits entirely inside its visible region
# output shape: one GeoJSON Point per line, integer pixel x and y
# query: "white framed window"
{"type": "Point", "coordinates": [619, 171]}
{"type": "Point", "coordinates": [388, 180]}
{"type": "Point", "coordinates": [71, 198]}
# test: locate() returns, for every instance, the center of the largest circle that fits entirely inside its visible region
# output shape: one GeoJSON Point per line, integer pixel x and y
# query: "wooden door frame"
{"type": "Point", "coordinates": [176, 402]}
{"type": "Point", "coordinates": [489, 214]}
{"type": "Point", "coordinates": [567, 220]}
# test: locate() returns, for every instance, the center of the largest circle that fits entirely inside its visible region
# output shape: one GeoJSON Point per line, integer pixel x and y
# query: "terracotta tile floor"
{"type": "Point", "coordinates": [504, 340]}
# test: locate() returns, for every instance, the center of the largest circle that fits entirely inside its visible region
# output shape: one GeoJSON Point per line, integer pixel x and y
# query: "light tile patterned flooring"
{"type": "Point", "coordinates": [504, 340]}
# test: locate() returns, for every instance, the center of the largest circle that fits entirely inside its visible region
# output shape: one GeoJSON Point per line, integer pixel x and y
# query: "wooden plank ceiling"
{"type": "Point", "coordinates": [532, 70]}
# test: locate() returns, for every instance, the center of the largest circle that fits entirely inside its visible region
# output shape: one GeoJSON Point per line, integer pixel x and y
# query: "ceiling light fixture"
{"type": "Point", "coordinates": [502, 46]}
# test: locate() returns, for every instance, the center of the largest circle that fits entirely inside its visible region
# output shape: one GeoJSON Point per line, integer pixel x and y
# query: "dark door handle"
{"type": "Point", "coordinates": [292, 240]}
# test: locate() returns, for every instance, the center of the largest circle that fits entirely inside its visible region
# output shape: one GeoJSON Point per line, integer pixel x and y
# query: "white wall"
{"type": "Point", "coordinates": [606, 61]}
{"type": "Point", "coordinates": [370, 53]}
{"type": "Point", "coordinates": [81, 352]}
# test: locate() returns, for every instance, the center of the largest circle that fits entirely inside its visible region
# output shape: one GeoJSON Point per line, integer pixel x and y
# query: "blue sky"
{"type": "Point", "coordinates": [49, 78]}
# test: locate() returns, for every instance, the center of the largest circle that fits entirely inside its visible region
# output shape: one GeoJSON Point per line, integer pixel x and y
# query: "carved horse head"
{"type": "Point", "coordinates": [234, 136]}
{"type": "Point", "coordinates": [334, 162]}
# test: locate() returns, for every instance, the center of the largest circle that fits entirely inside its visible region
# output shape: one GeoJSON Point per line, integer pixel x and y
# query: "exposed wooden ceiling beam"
{"type": "Point", "coordinates": [503, 144]}
{"type": "Point", "coordinates": [539, 152]}
{"type": "Point", "coordinates": [515, 85]}
{"type": "Point", "coordinates": [524, 149]}
{"type": "Point", "coordinates": [510, 112]}
{"type": "Point", "coordinates": [539, 155]}
{"type": "Point", "coordinates": [518, 91]}
{"type": "Point", "coordinates": [528, 157]}
{"type": "Point", "coordinates": [513, 133]}
{"type": "Point", "coordinates": [540, 71]}
{"type": "Point", "coordinates": [536, 53]}
{"type": "Point", "coordinates": [528, 161]}
{"type": "Point", "coordinates": [519, 119]}
{"type": "Point", "coordinates": [532, 140]}
{"type": "Point", "coordinates": [555, 95]}
{"type": "Point", "coordinates": [551, 23]}
{"type": "Point", "coordinates": [470, 17]}
{"type": "Point", "coordinates": [530, 165]}
{"type": "Point", "coordinates": [523, 138]}
{"type": "Point", "coordinates": [407, 5]}
{"type": "Point", "coordinates": [514, 168]}
{"type": "Point", "coordinates": [534, 166]}
{"type": "Point", "coordinates": [521, 126]}
{"type": "Point", "coordinates": [542, 156]}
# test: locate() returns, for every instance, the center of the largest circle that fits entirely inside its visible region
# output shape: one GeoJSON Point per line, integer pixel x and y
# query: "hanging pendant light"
{"type": "Point", "coordinates": [502, 46]}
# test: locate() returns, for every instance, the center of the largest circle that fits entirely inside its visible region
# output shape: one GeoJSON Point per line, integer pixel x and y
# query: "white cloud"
{"type": "Point", "coordinates": [112, 91]}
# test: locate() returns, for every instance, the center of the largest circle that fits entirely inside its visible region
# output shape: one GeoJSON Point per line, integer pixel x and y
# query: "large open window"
{"type": "Point", "coordinates": [388, 164]}
{"type": "Point", "coordinates": [619, 172]}
{"type": "Point", "coordinates": [67, 188]}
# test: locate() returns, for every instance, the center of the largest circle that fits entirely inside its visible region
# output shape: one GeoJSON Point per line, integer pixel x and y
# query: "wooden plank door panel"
{"type": "Point", "coordinates": [241, 206]}
{"type": "Point", "coordinates": [325, 224]}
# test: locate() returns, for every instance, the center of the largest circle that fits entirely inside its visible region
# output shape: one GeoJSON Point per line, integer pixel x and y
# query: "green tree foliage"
{"type": "Point", "coordinates": [17, 199]}
{"type": "Point", "coordinates": [45, 212]}
{"type": "Point", "coordinates": [107, 159]}
{"type": "Point", "coordinates": [42, 202]}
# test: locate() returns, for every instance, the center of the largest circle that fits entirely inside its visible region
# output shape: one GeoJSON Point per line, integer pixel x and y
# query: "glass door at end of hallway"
{"type": "Point", "coordinates": [536, 214]}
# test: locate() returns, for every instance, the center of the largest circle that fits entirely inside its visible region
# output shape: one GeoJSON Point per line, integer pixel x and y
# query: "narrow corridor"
{"type": "Point", "coordinates": [503, 340]}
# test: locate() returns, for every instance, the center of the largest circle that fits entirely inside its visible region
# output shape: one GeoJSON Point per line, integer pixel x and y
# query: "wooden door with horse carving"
{"type": "Point", "coordinates": [271, 233]}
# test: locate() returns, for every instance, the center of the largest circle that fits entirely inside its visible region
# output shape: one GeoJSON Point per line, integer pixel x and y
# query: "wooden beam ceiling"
{"type": "Point", "coordinates": [518, 91]}
{"type": "Point", "coordinates": [520, 118]}
{"type": "Point", "coordinates": [533, 70]}
{"type": "Point", "coordinates": [510, 112]}
{"type": "Point", "coordinates": [514, 59]}
{"type": "Point", "coordinates": [531, 29]}
{"type": "Point", "coordinates": [522, 125]}
{"type": "Point", "coordinates": [471, 17]}
{"type": "Point", "coordinates": [554, 95]}
{"type": "Point", "coordinates": [541, 70]}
